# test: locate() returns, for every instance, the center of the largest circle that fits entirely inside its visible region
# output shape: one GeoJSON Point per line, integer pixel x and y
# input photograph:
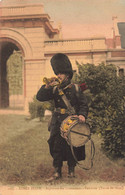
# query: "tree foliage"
{"type": "Point", "coordinates": [14, 73]}
{"type": "Point", "coordinates": [106, 105]}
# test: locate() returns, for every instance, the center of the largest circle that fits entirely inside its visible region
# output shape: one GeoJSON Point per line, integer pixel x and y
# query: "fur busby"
{"type": "Point", "coordinates": [61, 64]}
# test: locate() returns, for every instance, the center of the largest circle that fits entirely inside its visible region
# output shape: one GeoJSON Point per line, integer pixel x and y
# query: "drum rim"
{"type": "Point", "coordinates": [74, 123]}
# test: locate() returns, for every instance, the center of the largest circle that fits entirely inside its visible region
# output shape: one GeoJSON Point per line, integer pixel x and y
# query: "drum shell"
{"type": "Point", "coordinates": [79, 134]}
{"type": "Point", "coordinates": [75, 133]}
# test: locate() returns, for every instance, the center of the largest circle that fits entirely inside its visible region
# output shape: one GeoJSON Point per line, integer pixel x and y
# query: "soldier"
{"type": "Point", "coordinates": [59, 149]}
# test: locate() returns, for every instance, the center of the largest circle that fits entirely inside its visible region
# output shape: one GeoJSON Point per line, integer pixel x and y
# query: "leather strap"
{"type": "Point", "coordinates": [70, 109]}
{"type": "Point", "coordinates": [92, 154]}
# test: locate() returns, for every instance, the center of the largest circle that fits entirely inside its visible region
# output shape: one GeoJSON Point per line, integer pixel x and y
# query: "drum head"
{"type": "Point", "coordinates": [79, 134]}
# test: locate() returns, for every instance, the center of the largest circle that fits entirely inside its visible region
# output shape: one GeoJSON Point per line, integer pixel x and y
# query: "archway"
{"type": "Point", "coordinates": [7, 47]}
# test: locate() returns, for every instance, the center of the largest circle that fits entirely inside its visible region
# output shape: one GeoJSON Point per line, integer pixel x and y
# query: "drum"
{"type": "Point", "coordinates": [75, 133]}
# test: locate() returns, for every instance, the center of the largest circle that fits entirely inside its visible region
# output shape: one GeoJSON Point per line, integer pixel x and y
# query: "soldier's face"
{"type": "Point", "coordinates": [62, 77]}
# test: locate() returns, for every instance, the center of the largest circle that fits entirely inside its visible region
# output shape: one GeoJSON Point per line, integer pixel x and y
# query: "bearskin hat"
{"type": "Point", "coordinates": [61, 64]}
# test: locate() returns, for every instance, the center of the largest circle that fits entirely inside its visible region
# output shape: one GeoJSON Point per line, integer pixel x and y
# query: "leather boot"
{"type": "Point", "coordinates": [57, 175]}
{"type": "Point", "coordinates": [71, 171]}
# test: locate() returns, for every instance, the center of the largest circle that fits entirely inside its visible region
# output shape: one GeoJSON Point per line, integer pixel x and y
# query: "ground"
{"type": "Point", "coordinates": [25, 158]}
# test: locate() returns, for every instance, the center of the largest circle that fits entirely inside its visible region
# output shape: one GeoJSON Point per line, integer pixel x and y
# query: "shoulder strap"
{"type": "Point", "coordinates": [54, 89]}
{"type": "Point", "coordinates": [76, 87]}
{"type": "Point", "coordinates": [66, 101]}
{"type": "Point", "coordinates": [77, 90]}
{"type": "Point", "coordinates": [64, 98]}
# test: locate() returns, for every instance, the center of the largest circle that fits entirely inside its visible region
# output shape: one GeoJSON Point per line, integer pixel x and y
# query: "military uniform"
{"type": "Point", "coordinates": [59, 149]}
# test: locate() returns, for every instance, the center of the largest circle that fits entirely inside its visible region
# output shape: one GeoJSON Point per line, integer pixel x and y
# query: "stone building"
{"type": "Point", "coordinates": [25, 27]}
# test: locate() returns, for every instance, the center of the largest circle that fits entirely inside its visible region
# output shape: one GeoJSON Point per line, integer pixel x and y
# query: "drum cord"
{"type": "Point", "coordinates": [92, 151]}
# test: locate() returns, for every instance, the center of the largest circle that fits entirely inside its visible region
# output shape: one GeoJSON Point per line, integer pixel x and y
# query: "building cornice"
{"type": "Point", "coordinates": [77, 39]}
{"type": "Point", "coordinates": [26, 13]}
{"type": "Point", "coordinates": [21, 5]}
{"type": "Point", "coordinates": [20, 17]}
{"type": "Point", "coordinates": [79, 52]}
{"type": "Point", "coordinates": [118, 59]}
{"type": "Point", "coordinates": [116, 49]}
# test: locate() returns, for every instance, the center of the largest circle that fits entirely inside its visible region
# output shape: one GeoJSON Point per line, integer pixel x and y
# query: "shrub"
{"type": "Point", "coordinates": [37, 108]}
{"type": "Point", "coordinates": [113, 139]}
{"type": "Point", "coordinates": [106, 98]}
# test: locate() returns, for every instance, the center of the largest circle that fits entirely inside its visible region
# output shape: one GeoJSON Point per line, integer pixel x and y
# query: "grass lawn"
{"type": "Point", "coordinates": [25, 158]}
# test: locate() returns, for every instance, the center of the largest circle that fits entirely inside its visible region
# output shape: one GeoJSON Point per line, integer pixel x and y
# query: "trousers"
{"type": "Point", "coordinates": [60, 151]}
{"type": "Point", "coordinates": [59, 148]}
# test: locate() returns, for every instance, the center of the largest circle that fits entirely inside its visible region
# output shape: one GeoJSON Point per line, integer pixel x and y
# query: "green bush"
{"type": "Point", "coordinates": [114, 138]}
{"type": "Point", "coordinates": [37, 108]}
{"type": "Point", "coordinates": [106, 98]}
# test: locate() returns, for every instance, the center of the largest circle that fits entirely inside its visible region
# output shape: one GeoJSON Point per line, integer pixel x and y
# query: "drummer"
{"type": "Point", "coordinates": [59, 149]}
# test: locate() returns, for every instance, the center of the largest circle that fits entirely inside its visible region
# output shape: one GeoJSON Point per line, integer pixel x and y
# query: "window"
{"type": "Point", "coordinates": [121, 72]}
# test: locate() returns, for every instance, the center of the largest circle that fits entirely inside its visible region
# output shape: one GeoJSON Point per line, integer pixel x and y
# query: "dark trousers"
{"type": "Point", "coordinates": [59, 148]}
{"type": "Point", "coordinates": [60, 151]}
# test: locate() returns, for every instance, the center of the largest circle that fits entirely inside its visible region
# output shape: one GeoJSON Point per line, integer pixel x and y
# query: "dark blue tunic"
{"type": "Point", "coordinates": [59, 148]}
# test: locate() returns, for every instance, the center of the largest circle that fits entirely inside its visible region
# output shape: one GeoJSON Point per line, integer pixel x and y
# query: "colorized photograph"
{"type": "Point", "coordinates": [62, 97]}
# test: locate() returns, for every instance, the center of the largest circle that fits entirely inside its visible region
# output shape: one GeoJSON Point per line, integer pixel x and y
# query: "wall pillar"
{"type": "Point", "coordinates": [34, 71]}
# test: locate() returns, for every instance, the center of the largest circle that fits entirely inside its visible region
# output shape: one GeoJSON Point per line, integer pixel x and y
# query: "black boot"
{"type": "Point", "coordinates": [57, 175]}
{"type": "Point", "coordinates": [71, 171]}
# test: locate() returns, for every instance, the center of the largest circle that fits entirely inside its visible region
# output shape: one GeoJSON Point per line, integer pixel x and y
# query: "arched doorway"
{"type": "Point", "coordinates": [7, 92]}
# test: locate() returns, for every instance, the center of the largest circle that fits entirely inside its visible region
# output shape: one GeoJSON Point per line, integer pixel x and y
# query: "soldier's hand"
{"type": "Point", "coordinates": [81, 119]}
